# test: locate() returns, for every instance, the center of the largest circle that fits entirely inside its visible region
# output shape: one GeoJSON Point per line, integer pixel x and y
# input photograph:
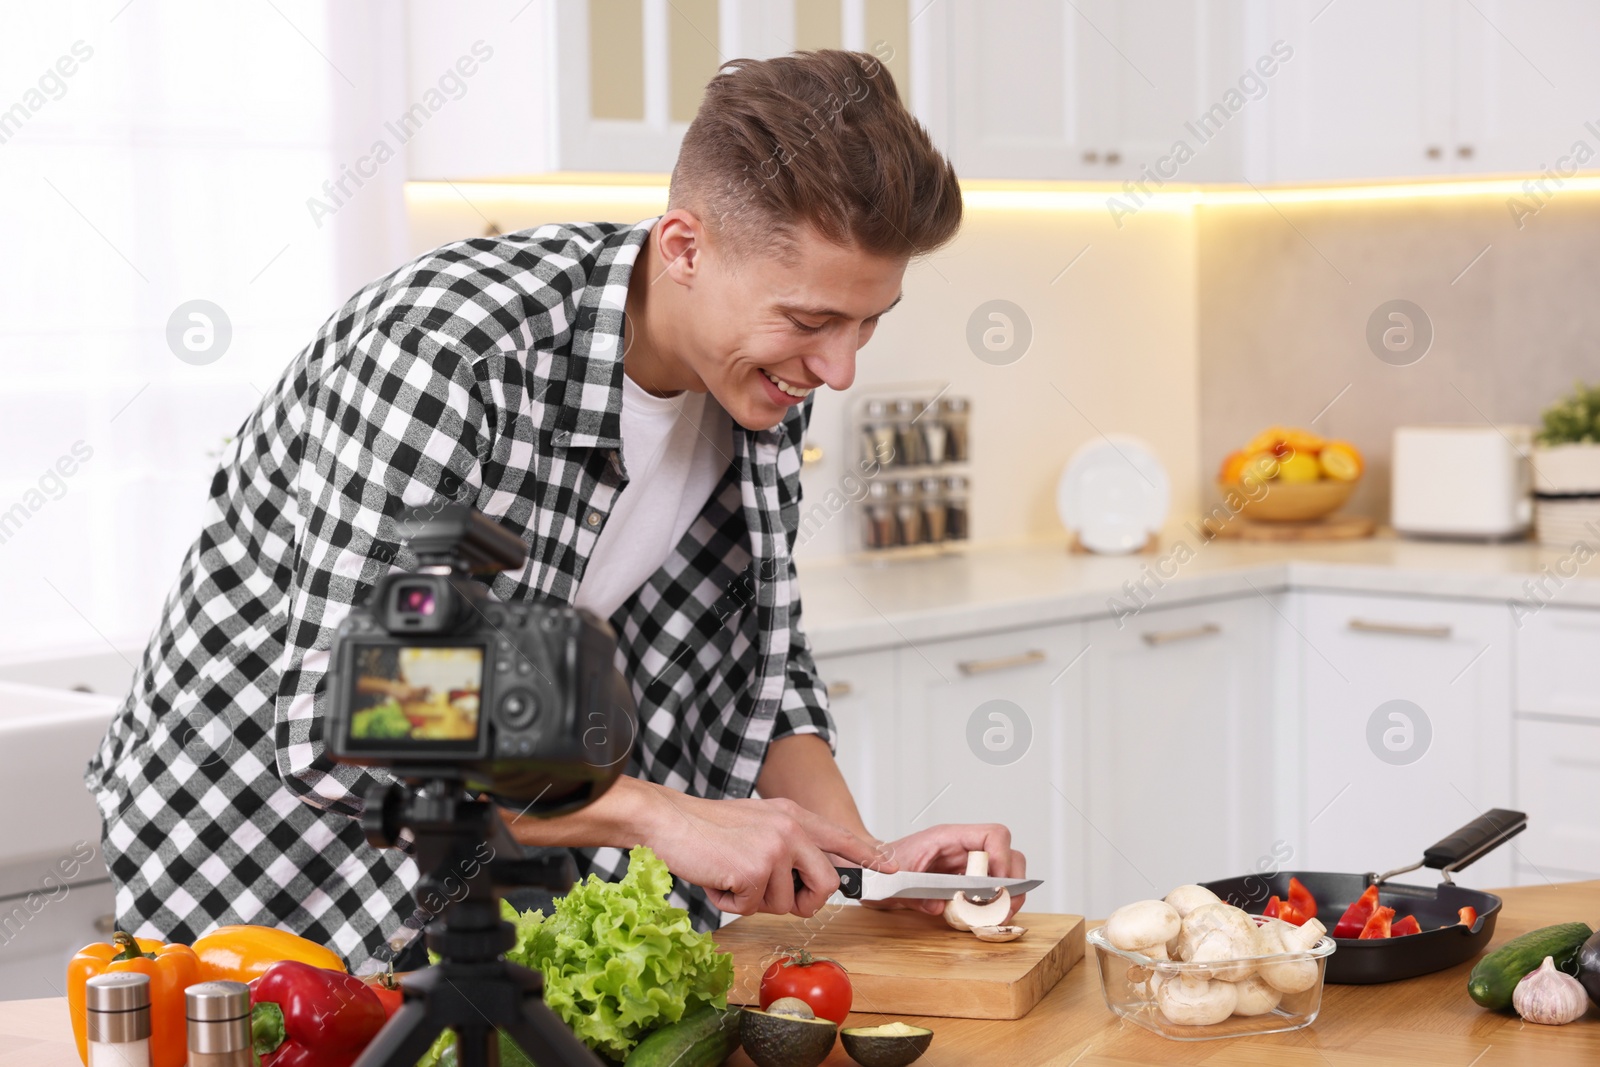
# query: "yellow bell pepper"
{"type": "Point", "coordinates": [172, 969]}
{"type": "Point", "coordinates": [243, 953]}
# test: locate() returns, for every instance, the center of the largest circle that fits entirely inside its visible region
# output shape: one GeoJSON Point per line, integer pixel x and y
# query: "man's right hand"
{"type": "Point", "coordinates": [744, 853]}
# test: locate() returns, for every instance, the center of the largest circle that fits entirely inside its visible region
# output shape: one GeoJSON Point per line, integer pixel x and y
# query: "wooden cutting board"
{"type": "Point", "coordinates": [910, 963]}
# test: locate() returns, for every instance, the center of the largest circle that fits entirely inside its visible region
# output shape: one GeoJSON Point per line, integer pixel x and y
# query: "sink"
{"type": "Point", "coordinates": [46, 738]}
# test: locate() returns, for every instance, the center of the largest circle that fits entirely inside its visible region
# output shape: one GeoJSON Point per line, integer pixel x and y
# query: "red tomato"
{"type": "Point", "coordinates": [388, 990]}
{"type": "Point", "coordinates": [821, 983]}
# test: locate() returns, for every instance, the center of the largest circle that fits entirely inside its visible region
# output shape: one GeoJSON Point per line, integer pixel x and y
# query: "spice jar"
{"type": "Point", "coordinates": [219, 1024]}
{"type": "Point", "coordinates": [118, 1006]}
{"type": "Point", "coordinates": [953, 414]}
{"type": "Point", "coordinates": [877, 435]}
{"type": "Point", "coordinates": [879, 517]}
{"type": "Point", "coordinates": [908, 512]}
{"type": "Point", "coordinates": [934, 515]}
{"type": "Point", "coordinates": [908, 437]}
{"type": "Point", "coordinates": [955, 508]}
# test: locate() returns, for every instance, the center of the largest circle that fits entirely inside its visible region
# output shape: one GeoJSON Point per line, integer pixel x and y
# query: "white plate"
{"type": "Point", "coordinates": [1114, 494]}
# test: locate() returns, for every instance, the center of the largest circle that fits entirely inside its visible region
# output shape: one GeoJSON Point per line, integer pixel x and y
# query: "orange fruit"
{"type": "Point", "coordinates": [1233, 467]}
{"type": "Point", "coordinates": [1267, 440]}
{"type": "Point", "coordinates": [1341, 461]}
{"type": "Point", "coordinates": [1304, 442]}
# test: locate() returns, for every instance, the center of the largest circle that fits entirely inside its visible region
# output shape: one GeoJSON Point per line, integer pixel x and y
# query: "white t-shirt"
{"type": "Point", "coordinates": [675, 450]}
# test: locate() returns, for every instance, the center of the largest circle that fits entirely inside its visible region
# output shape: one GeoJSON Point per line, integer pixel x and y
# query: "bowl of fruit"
{"type": "Point", "coordinates": [1290, 475]}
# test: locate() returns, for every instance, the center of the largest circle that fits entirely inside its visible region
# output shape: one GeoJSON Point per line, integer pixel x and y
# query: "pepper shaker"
{"type": "Point", "coordinates": [219, 1024]}
{"type": "Point", "coordinates": [118, 1006]}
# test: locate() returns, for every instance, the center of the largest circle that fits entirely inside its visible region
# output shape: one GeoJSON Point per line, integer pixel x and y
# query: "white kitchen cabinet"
{"type": "Point", "coordinates": [1558, 672]}
{"type": "Point", "coordinates": [1558, 778]}
{"type": "Point", "coordinates": [1095, 89]}
{"type": "Point", "coordinates": [40, 932]}
{"type": "Point", "coordinates": [862, 699]}
{"type": "Point", "coordinates": [1179, 785]}
{"type": "Point", "coordinates": [1407, 731]}
{"type": "Point", "coordinates": [991, 729]}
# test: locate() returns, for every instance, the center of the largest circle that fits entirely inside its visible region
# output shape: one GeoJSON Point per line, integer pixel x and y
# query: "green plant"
{"type": "Point", "coordinates": [1574, 418]}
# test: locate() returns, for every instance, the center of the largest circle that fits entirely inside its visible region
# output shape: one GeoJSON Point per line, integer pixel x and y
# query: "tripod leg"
{"type": "Point", "coordinates": [540, 1033]}
{"type": "Point", "coordinates": [477, 1046]}
{"type": "Point", "coordinates": [403, 1039]}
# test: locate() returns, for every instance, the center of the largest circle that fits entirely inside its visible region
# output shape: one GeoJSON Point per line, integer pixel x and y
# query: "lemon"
{"type": "Point", "coordinates": [1340, 461]}
{"type": "Point", "coordinates": [1300, 467]}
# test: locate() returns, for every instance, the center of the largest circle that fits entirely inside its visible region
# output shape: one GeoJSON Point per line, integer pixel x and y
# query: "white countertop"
{"type": "Point", "coordinates": [857, 606]}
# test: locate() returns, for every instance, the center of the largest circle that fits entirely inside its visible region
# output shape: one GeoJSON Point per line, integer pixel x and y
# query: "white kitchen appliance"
{"type": "Point", "coordinates": [1469, 482]}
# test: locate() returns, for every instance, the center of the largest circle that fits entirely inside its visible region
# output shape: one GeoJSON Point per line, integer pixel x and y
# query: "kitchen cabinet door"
{"type": "Point", "coordinates": [1091, 90]}
{"type": "Point", "coordinates": [861, 698]}
{"type": "Point", "coordinates": [1558, 778]}
{"type": "Point", "coordinates": [40, 932]}
{"type": "Point", "coordinates": [1179, 780]}
{"type": "Point", "coordinates": [1368, 92]}
{"type": "Point", "coordinates": [991, 730]}
{"type": "Point", "coordinates": [1406, 706]}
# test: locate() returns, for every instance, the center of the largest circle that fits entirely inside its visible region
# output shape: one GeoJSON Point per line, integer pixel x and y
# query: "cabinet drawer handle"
{"type": "Point", "coordinates": [105, 924]}
{"type": "Point", "coordinates": [839, 689]}
{"type": "Point", "coordinates": [1166, 637]}
{"type": "Point", "coordinates": [1368, 627]}
{"type": "Point", "coordinates": [1001, 663]}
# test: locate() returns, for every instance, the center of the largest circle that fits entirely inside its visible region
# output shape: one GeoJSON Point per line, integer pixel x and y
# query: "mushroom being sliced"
{"type": "Point", "coordinates": [963, 914]}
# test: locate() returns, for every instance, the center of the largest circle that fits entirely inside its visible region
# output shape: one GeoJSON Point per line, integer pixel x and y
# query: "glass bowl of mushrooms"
{"type": "Point", "coordinates": [1192, 969]}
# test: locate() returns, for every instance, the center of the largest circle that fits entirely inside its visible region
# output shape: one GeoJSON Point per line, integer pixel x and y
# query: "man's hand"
{"type": "Point", "coordinates": [744, 853]}
{"type": "Point", "coordinates": [943, 849]}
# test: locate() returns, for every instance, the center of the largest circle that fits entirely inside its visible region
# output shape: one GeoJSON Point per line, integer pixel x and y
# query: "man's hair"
{"type": "Point", "coordinates": [819, 139]}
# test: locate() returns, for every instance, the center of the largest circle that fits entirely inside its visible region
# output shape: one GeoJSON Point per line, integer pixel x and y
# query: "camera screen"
{"type": "Point", "coordinates": [415, 697]}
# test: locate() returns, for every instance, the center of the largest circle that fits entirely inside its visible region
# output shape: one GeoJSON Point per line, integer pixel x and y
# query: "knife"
{"type": "Point", "coordinates": [859, 883]}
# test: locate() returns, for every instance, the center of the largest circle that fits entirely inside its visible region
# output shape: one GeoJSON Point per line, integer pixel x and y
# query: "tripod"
{"type": "Point", "coordinates": [472, 989]}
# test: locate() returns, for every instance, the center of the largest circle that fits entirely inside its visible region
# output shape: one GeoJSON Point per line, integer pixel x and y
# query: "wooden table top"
{"type": "Point", "coordinates": [1424, 1022]}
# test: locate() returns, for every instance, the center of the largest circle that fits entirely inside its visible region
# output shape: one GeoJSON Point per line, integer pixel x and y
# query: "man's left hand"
{"type": "Point", "coordinates": [943, 849]}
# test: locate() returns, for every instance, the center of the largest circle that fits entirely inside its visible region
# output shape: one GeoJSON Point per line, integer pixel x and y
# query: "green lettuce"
{"type": "Point", "coordinates": [619, 961]}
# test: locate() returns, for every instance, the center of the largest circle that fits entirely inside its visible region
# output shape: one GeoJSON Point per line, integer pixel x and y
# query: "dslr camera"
{"type": "Point", "coordinates": [433, 678]}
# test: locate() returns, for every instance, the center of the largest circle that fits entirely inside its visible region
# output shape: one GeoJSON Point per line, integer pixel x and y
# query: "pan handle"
{"type": "Point", "coordinates": [1476, 839]}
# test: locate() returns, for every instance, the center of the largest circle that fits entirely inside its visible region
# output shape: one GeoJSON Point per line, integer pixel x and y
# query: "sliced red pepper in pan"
{"type": "Point", "coordinates": [1302, 900]}
{"type": "Point", "coordinates": [1468, 916]}
{"type": "Point", "coordinates": [1378, 925]}
{"type": "Point", "coordinates": [1273, 904]}
{"type": "Point", "coordinates": [1278, 909]}
{"type": "Point", "coordinates": [1356, 915]}
{"type": "Point", "coordinates": [1408, 925]}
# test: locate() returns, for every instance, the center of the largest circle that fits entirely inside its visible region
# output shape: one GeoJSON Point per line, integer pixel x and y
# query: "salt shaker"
{"type": "Point", "coordinates": [219, 1024]}
{"type": "Point", "coordinates": [118, 1006]}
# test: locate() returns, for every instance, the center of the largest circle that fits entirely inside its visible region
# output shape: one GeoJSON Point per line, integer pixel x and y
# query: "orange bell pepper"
{"type": "Point", "coordinates": [243, 953]}
{"type": "Point", "coordinates": [172, 969]}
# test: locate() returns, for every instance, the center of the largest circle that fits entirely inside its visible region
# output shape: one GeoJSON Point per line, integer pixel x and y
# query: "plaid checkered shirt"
{"type": "Point", "coordinates": [487, 371]}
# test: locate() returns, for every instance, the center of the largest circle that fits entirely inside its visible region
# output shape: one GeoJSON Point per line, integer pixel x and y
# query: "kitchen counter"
{"type": "Point", "coordinates": [1419, 1023]}
{"type": "Point", "coordinates": [861, 605]}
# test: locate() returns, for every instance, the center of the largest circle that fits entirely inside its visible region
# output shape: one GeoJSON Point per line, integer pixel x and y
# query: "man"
{"type": "Point", "coordinates": [631, 400]}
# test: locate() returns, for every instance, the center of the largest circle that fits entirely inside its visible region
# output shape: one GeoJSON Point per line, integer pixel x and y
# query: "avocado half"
{"type": "Point", "coordinates": [890, 1045]}
{"type": "Point", "coordinates": [785, 1040]}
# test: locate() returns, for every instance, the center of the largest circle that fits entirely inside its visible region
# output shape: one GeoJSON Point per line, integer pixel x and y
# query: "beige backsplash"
{"type": "Point", "coordinates": [1284, 300]}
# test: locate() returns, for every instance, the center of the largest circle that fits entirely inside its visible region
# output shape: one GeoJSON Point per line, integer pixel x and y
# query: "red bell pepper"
{"type": "Point", "coordinates": [1408, 925]}
{"type": "Point", "coordinates": [1468, 916]}
{"type": "Point", "coordinates": [305, 1016]}
{"type": "Point", "coordinates": [1273, 904]}
{"type": "Point", "coordinates": [1356, 915]}
{"type": "Point", "coordinates": [1279, 909]}
{"type": "Point", "coordinates": [1378, 925]}
{"type": "Point", "coordinates": [1302, 900]}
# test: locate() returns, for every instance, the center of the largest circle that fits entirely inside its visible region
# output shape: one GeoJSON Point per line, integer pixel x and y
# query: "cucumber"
{"type": "Point", "coordinates": [1497, 974]}
{"type": "Point", "coordinates": [703, 1038]}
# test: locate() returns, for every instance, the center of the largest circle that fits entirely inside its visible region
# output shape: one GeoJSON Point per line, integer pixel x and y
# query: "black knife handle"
{"type": "Point", "coordinates": [849, 882]}
{"type": "Point", "coordinates": [1476, 839]}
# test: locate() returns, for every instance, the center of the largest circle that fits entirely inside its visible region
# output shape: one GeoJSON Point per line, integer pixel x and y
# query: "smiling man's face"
{"type": "Point", "coordinates": [761, 331]}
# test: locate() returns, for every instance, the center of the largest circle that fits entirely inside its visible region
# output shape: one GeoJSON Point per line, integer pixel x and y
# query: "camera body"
{"type": "Point", "coordinates": [435, 678]}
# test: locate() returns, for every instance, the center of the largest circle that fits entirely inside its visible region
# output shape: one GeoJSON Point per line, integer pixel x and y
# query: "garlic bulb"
{"type": "Point", "coordinates": [1548, 996]}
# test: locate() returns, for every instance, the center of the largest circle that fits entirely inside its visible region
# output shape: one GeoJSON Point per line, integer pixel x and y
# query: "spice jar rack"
{"type": "Point", "coordinates": [917, 447]}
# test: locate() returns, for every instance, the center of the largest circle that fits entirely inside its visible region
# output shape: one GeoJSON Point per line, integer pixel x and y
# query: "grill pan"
{"type": "Point", "coordinates": [1442, 943]}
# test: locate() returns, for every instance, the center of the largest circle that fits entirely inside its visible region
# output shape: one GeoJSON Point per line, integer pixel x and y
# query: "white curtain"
{"type": "Point", "coordinates": [152, 153]}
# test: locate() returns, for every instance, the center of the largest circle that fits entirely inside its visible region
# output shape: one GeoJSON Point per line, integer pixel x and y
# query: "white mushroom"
{"type": "Point", "coordinates": [1275, 937]}
{"type": "Point", "coordinates": [998, 933]}
{"type": "Point", "coordinates": [1217, 934]}
{"type": "Point", "coordinates": [1144, 925]}
{"type": "Point", "coordinates": [1186, 898]}
{"type": "Point", "coordinates": [1255, 997]}
{"type": "Point", "coordinates": [963, 914]}
{"type": "Point", "coordinates": [1195, 1001]}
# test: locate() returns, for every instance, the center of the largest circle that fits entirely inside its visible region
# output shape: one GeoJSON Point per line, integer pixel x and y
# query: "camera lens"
{"type": "Point", "coordinates": [415, 600]}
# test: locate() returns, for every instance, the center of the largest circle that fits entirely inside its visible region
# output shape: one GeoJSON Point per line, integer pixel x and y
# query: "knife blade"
{"type": "Point", "coordinates": [859, 883]}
